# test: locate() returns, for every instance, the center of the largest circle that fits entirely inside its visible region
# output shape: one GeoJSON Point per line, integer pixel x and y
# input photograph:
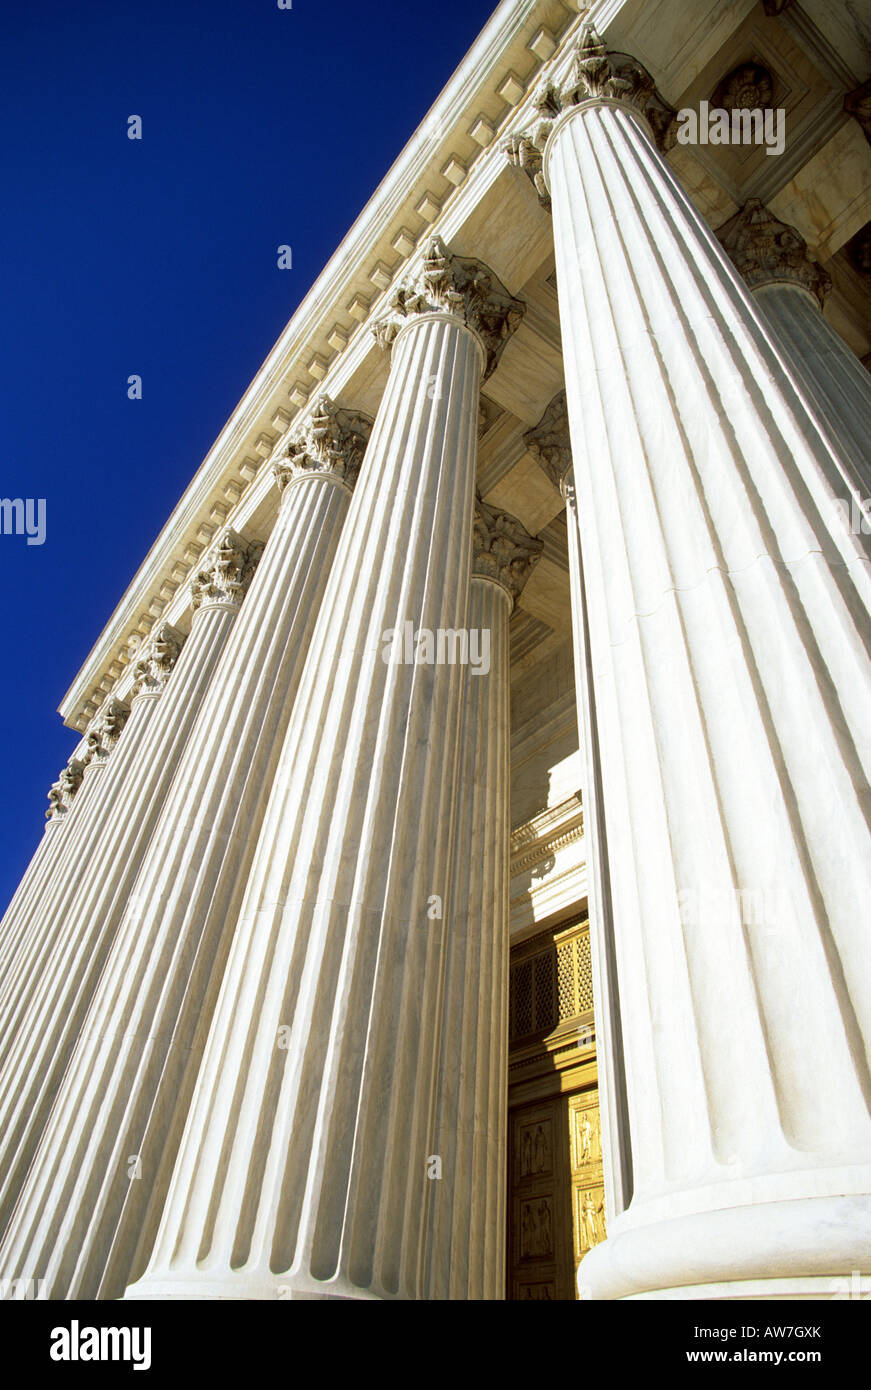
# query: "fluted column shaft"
{"type": "Point", "coordinates": [78, 858]}
{"type": "Point", "coordinates": [465, 1255]}
{"type": "Point", "coordinates": [610, 1063]}
{"type": "Point", "coordinates": [832, 380]}
{"type": "Point", "coordinates": [302, 1172]}
{"type": "Point", "coordinates": [728, 623]}
{"type": "Point", "coordinates": [151, 1011]}
{"type": "Point", "coordinates": [53, 863]}
{"type": "Point", "coordinates": [466, 1218]}
{"type": "Point", "coordinates": [38, 874]}
{"type": "Point", "coordinates": [47, 996]}
{"type": "Point", "coordinates": [204, 848]}
{"type": "Point", "coordinates": [790, 288]}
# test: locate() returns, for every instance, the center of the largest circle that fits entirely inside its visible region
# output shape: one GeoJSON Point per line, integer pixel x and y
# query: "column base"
{"type": "Point", "coordinates": [766, 1290]}
{"type": "Point", "coordinates": [244, 1286]}
{"type": "Point", "coordinates": [816, 1247]}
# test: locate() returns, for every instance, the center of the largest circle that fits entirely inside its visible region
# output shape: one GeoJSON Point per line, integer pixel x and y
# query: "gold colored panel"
{"type": "Point", "coordinates": [555, 1192]}
{"type": "Point", "coordinates": [536, 1148]}
{"type": "Point", "coordinates": [589, 1208]}
{"type": "Point", "coordinates": [551, 981]}
{"type": "Point", "coordinates": [585, 1128]}
{"type": "Point", "coordinates": [538, 1291]}
{"type": "Point", "coordinates": [536, 1223]}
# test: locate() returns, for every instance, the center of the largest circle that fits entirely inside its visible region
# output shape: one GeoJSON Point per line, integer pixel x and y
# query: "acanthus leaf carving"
{"type": "Point", "coordinates": [596, 73]}
{"type": "Point", "coordinates": [765, 251]}
{"type": "Point", "coordinates": [462, 287]}
{"type": "Point", "coordinates": [503, 550]}
{"type": "Point", "coordinates": [524, 152]}
{"type": "Point", "coordinates": [549, 441]}
{"type": "Point", "coordinates": [225, 578]}
{"type": "Point", "coordinates": [62, 791]}
{"type": "Point", "coordinates": [106, 731]}
{"type": "Point", "coordinates": [334, 441]}
{"type": "Point", "coordinates": [153, 670]}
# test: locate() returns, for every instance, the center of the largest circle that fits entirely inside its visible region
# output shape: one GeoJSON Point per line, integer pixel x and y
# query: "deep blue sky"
{"type": "Point", "coordinates": [158, 257]}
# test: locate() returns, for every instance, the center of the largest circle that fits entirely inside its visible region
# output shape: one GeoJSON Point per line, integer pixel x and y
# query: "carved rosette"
{"type": "Point", "coordinates": [106, 732]}
{"type": "Point", "coordinates": [64, 789]}
{"type": "Point", "coordinates": [748, 87]}
{"type": "Point", "coordinates": [595, 75]}
{"type": "Point", "coordinates": [503, 551]}
{"type": "Point", "coordinates": [459, 286]}
{"type": "Point", "coordinates": [549, 441]}
{"type": "Point", "coordinates": [768, 252]}
{"type": "Point", "coordinates": [334, 442]}
{"type": "Point", "coordinates": [225, 579]}
{"type": "Point", "coordinates": [152, 672]}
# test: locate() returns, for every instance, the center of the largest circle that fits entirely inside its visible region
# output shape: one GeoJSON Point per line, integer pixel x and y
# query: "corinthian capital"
{"type": "Point", "coordinates": [64, 789]}
{"type": "Point", "coordinates": [334, 441]}
{"type": "Point", "coordinates": [106, 732]}
{"type": "Point", "coordinates": [595, 75]}
{"type": "Point", "coordinates": [524, 152]}
{"type": "Point", "coordinates": [225, 579]}
{"type": "Point", "coordinates": [768, 252]}
{"type": "Point", "coordinates": [503, 551]}
{"type": "Point", "coordinates": [549, 441]}
{"type": "Point", "coordinates": [152, 672]}
{"type": "Point", "coordinates": [459, 286]}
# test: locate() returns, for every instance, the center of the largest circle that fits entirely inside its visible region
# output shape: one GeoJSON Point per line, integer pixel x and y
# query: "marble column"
{"type": "Point", "coordinates": [47, 998]}
{"type": "Point", "coordinates": [729, 638]}
{"type": "Point", "coordinates": [64, 800]}
{"type": "Point", "coordinates": [58, 854]}
{"type": "Point", "coordinates": [24, 946]}
{"type": "Point", "coordinates": [204, 847]}
{"type": "Point", "coordinates": [549, 442]}
{"type": "Point", "coordinates": [467, 1202]}
{"type": "Point", "coordinates": [790, 290]}
{"type": "Point", "coordinates": [303, 1168]}
{"type": "Point", "coordinates": [151, 1013]}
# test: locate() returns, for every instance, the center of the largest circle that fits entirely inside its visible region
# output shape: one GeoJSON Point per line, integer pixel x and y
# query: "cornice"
{"type": "Point", "coordinates": [503, 42]}
{"type": "Point", "coordinates": [442, 176]}
{"type": "Point", "coordinates": [548, 876]}
{"type": "Point", "coordinates": [540, 837]}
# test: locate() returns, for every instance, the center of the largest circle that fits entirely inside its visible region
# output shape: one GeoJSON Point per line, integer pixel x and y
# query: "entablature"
{"type": "Point", "coordinates": [453, 179]}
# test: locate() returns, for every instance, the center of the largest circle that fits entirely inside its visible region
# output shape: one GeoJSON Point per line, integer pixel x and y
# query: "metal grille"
{"type": "Point", "coordinates": [565, 973]}
{"type": "Point", "coordinates": [584, 973]}
{"type": "Point", "coordinates": [544, 992]}
{"type": "Point", "coordinates": [521, 999]}
{"type": "Point", "coordinates": [550, 985]}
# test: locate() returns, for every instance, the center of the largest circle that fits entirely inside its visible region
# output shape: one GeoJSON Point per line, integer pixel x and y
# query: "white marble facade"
{"type": "Point", "coordinates": [531, 574]}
